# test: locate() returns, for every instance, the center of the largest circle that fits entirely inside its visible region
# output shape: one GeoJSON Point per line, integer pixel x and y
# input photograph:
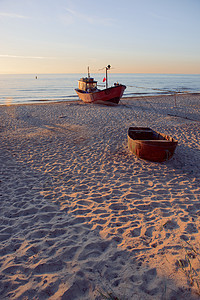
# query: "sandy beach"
{"type": "Point", "coordinates": [82, 217]}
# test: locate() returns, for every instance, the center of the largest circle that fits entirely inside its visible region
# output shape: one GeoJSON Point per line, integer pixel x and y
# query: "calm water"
{"type": "Point", "coordinates": [57, 87]}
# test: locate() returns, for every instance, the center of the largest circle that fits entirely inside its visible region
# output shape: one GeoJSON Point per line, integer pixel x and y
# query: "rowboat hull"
{"type": "Point", "coordinates": [109, 96]}
{"type": "Point", "coordinates": [150, 145]}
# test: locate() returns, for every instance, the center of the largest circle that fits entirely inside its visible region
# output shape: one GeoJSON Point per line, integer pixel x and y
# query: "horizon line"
{"type": "Point", "coordinates": [63, 73]}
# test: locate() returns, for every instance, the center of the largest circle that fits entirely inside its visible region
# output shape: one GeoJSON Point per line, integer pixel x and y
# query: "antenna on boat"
{"type": "Point", "coordinates": [107, 68]}
{"type": "Point", "coordinates": [88, 72]}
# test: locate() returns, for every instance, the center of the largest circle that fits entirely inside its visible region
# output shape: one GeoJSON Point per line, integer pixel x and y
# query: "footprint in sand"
{"type": "Point", "coordinates": [149, 231]}
{"type": "Point", "coordinates": [93, 250]}
{"type": "Point", "coordinates": [191, 228]}
{"type": "Point", "coordinates": [77, 290]}
{"type": "Point", "coordinates": [50, 266]}
{"type": "Point", "coordinates": [118, 206]}
{"type": "Point", "coordinates": [170, 225]}
{"type": "Point", "coordinates": [148, 280]}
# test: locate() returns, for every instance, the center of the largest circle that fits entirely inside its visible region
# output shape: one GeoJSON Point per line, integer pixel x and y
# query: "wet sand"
{"type": "Point", "coordinates": [81, 216]}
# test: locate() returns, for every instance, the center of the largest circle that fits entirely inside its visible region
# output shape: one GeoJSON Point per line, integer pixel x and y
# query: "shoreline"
{"type": "Point", "coordinates": [81, 214]}
{"type": "Point", "coordinates": [123, 98]}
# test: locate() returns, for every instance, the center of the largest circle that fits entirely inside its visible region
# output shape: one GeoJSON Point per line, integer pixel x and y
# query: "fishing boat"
{"type": "Point", "coordinates": [90, 93]}
{"type": "Point", "coordinates": [150, 145]}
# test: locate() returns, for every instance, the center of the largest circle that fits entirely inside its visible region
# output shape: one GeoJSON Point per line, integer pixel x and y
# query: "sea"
{"type": "Point", "coordinates": [37, 88]}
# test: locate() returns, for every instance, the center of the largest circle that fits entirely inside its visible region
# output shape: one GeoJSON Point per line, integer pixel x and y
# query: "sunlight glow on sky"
{"type": "Point", "coordinates": [65, 36]}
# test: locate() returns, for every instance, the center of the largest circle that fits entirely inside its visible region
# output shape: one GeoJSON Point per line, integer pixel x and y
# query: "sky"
{"type": "Point", "coordinates": [133, 36]}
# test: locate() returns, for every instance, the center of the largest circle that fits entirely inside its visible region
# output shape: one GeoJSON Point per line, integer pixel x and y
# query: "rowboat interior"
{"type": "Point", "coordinates": [143, 133]}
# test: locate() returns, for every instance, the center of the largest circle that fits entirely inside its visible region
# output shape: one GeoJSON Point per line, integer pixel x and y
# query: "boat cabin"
{"type": "Point", "coordinates": [87, 84]}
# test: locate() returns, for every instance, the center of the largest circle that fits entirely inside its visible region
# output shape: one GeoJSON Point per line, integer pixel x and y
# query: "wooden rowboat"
{"type": "Point", "coordinates": [148, 144]}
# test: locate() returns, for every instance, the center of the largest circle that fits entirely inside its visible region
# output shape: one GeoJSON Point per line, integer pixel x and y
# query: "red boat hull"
{"type": "Point", "coordinates": [109, 96]}
{"type": "Point", "coordinates": [150, 145]}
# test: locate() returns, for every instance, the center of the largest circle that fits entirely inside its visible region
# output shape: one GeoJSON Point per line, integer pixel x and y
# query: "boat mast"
{"type": "Point", "coordinates": [107, 68]}
{"type": "Point", "coordinates": [88, 72]}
